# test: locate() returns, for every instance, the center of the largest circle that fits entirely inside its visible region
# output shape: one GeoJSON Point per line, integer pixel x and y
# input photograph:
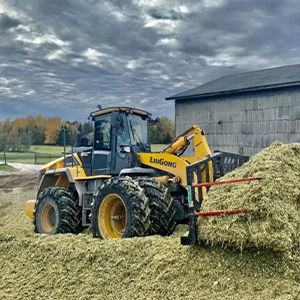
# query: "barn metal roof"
{"type": "Point", "coordinates": [250, 81]}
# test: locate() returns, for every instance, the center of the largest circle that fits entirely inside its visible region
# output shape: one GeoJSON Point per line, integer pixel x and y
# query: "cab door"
{"type": "Point", "coordinates": [102, 145]}
{"type": "Point", "coordinates": [120, 159]}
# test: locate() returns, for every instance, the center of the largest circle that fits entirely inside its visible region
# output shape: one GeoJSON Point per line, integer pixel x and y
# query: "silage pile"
{"type": "Point", "coordinates": [79, 267]}
{"type": "Point", "coordinates": [273, 203]}
{"type": "Point", "coordinates": [35, 266]}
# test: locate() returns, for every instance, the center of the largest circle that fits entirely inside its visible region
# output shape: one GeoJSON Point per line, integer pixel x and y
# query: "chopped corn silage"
{"type": "Point", "coordinates": [37, 266]}
{"type": "Point", "coordinates": [273, 203]}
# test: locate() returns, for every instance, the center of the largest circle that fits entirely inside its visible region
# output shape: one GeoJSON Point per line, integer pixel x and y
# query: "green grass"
{"type": "Point", "coordinates": [18, 157]}
{"type": "Point", "coordinates": [6, 168]}
{"type": "Point", "coordinates": [48, 153]}
{"type": "Point", "coordinates": [158, 147]}
{"type": "Point", "coordinates": [55, 150]}
{"type": "Point", "coordinates": [29, 158]}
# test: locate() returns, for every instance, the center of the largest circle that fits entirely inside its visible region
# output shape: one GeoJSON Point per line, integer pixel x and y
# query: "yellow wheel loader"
{"type": "Point", "coordinates": [115, 184]}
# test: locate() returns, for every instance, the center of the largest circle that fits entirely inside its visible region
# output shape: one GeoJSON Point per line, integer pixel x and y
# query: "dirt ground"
{"type": "Point", "coordinates": [15, 189]}
{"type": "Point", "coordinates": [37, 266]}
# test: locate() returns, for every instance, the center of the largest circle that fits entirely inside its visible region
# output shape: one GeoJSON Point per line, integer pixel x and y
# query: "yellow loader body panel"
{"type": "Point", "coordinates": [59, 178]}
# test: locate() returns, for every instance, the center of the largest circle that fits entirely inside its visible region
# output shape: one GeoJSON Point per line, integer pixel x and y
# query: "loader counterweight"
{"type": "Point", "coordinates": [29, 208]}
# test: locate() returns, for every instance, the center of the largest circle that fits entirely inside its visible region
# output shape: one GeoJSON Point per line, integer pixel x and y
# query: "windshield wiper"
{"type": "Point", "coordinates": [136, 135]}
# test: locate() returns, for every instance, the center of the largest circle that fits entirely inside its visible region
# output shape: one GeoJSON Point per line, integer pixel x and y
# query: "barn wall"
{"type": "Point", "coordinates": [244, 123]}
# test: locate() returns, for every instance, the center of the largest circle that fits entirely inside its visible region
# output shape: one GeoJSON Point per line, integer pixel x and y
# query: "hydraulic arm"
{"type": "Point", "coordinates": [195, 133]}
{"type": "Point", "coordinates": [171, 160]}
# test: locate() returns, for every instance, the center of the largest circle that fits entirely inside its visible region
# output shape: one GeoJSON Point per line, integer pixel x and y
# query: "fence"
{"type": "Point", "coordinates": [29, 158]}
{"type": "Point", "coordinates": [44, 158]}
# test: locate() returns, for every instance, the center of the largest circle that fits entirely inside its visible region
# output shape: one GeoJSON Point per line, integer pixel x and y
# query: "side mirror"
{"type": "Point", "coordinates": [125, 149]}
{"type": "Point", "coordinates": [77, 138]}
{"type": "Point", "coordinates": [152, 122]}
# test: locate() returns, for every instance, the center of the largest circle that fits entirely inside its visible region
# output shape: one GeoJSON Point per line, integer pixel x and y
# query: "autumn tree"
{"type": "Point", "coordinates": [87, 128]}
{"type": "Point", "coordinates": [52, 130]}
{"type": "Point", "coordinates": [19, 125]}
{"type": "Point", "coordinates": [25, 139]}
{"type": "Point", "coordinates": [66, 133]}
{"type": "Point", "coordinates": [80, 128]}
{"type": "Point", "coordinates": [14, 143]}
{"type": "Point", "coordinates": [4, 146]}
{"type": "Point", "coordinates": [5, 126]}
{"type": "Point", "coordinates": [38, 135]}
{"type": "Point", "coordinates": [162, 132]}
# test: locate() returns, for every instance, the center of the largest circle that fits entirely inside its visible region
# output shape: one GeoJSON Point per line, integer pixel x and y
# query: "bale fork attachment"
{"type": "Point", "coordinates": [222, 162]}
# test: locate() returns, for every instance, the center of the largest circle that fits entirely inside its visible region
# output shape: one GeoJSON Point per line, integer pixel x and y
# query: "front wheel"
{"type": "Point", "coordinates": [120, 210]}
{"type": "Point", "coordinates": [161, 204]}
{"type": "Point", "coordinates": [57, 211]}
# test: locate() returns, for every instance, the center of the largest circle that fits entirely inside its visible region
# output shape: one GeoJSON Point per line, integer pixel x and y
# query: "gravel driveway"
{"type": "Point", "coordinates": [23, 167]}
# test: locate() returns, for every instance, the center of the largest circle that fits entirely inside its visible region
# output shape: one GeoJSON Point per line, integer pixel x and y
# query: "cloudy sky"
{"type": "Point", "coordinates": [63, 57]}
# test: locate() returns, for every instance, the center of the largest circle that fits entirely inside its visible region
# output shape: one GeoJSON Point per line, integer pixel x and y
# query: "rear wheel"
{"type": "Point", "coordinates": [162, 213]}
{"type": "Point", "coordinates": [57, 211]}
{"type": "Point", "coordinates": [120, 210]}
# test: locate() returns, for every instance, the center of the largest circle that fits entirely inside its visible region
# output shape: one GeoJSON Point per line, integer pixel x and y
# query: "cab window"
{"type": "Point", "coordinates": [139, 129]}
{"type": "Point", "coordinates": [102, 133]}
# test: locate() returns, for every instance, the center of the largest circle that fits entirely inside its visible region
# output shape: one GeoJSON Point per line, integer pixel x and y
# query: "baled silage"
{"type": "Point", "coordinates": [273, 203]}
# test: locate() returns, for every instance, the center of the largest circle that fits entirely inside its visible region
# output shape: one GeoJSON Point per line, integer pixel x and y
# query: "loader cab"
{"type": "Point", "coordinates": [119, 133]}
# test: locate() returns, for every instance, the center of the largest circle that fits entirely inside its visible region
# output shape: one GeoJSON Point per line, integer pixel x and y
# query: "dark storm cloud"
{"type": "Point", "coordinates": [77, 54]}
{"type": "Point", "coordinates": [165, 15]}
{"type": "Point", "coordinates": [6, 22]}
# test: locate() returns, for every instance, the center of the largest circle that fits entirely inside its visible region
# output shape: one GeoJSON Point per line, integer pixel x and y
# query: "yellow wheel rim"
{"type": "Point", "coordinates": [112, 217]}
{"type": "Point", "coordinates": [48, 218]}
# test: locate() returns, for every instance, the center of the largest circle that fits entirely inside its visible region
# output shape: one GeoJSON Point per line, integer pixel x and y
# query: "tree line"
{"type": "Point", "coordinates": [162, 132]}
{"type": "Point", "coordinates": [19, 134]}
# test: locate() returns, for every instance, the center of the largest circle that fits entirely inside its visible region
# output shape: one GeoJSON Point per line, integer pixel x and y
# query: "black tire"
{"type": "Point", "coordinates": [131, 197]}
{"type": "Point", "coordinates": [181, 206]}
{"type": "Point", "coordinates": [57, 211]}
{"type": "Point", "coordinates": [162, 212]}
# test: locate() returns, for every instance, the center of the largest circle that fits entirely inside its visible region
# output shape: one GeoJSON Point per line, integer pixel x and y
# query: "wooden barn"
{"type": "Point", "coordinates": [244, 113]}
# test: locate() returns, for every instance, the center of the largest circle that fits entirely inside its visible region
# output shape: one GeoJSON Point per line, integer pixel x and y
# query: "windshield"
{"type": "Point", "coordinates": [139, 128]}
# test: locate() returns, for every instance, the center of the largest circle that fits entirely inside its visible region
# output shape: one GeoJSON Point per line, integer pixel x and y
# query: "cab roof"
{"type": "Point", "coordinates": [123, 109]}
